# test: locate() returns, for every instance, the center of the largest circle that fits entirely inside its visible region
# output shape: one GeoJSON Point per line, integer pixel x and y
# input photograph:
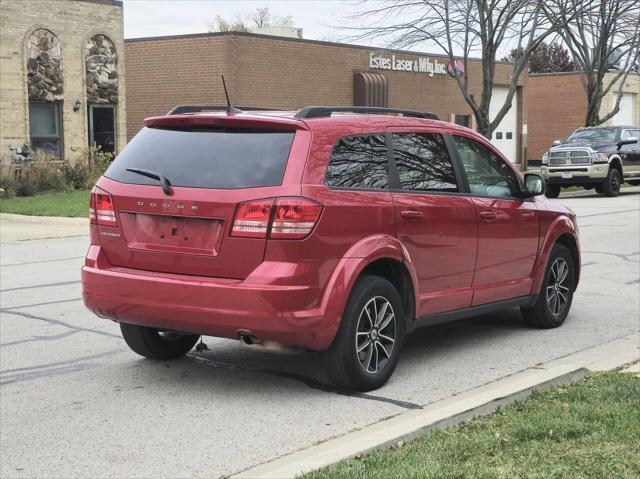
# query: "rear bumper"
{"type": "Point", "coordinates": [293, 314]}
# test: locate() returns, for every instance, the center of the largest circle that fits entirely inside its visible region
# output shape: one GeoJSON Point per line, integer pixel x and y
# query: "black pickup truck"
{"type": "Point", "coordinates": [600, 157]}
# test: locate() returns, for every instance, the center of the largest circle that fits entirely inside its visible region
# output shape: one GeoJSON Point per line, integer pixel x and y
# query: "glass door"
{"type": "Point", "coordinates": [102, 127]}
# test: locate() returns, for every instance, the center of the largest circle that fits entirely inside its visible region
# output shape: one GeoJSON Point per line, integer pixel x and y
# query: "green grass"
{"type": "Point", "coordinates": [587, 430]}
{"type": "Point", "coordinates": [73, 203]}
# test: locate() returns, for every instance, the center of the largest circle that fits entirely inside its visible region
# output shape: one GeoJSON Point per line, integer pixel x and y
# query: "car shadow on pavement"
{"type": "Point", "coordinates": [236, 370]}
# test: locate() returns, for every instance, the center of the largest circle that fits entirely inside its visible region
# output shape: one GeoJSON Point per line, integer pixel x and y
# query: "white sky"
{"type": "Point", "coordinates": [318, 18]}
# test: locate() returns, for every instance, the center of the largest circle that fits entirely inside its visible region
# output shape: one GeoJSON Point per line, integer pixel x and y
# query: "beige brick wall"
{"type": "Point", "coordinates": [276, 72]}
{"type": "Point", "coordinates": [74, 22]}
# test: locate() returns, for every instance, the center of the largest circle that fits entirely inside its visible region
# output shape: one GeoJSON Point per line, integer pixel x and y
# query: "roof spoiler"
{"type": "Point", "coordinates": [179, 109]}
{"type": "Point", "coordinates": [327, 111]}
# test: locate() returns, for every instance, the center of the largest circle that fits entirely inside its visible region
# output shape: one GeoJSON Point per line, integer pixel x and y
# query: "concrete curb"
{"type": "Point", "coordinates": [478, 401]}
{"type": "Point", "coordinates": [16, 228]}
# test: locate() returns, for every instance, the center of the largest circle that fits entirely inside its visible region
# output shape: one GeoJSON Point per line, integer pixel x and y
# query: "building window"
{"type": "Point", "coordinates": [463, 120]}
{"type": "Point", "coordinates": [101, 63]}
{"type": "Point", "coordinates": [45, 127]}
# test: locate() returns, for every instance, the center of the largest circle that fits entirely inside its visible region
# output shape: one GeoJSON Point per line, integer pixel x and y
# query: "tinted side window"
{"type": "Point", "coordinates": [423, 162]}
{"type": "Point", "coordinates": [359, 162]}
{"type": "Point", "coordinates": [487, 174]}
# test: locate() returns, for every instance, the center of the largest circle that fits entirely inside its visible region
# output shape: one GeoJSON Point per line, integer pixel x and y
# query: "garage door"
{"type": "Point", "coordinates": [504, 137]}
{"type": "Point", "coordinates": [625, 114]}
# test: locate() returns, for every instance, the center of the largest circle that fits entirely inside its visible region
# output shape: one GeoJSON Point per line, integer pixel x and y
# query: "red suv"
{"type": "Point", "coordinates": [335, 229]}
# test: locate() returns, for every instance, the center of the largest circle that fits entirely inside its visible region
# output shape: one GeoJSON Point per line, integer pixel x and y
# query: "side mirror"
{"type": "Point", "coordinates": [534, 184]}
{"type": "Point", "coordinates": [556, 142]}
{"type": "Point", "coordinates": [632, 140]}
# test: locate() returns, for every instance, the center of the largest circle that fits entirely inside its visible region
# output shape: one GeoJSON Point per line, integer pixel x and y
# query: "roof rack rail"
{"type": "Point", "coordinates": [327, 111]}
{"type": "Point", "coordinates": [178, 109]}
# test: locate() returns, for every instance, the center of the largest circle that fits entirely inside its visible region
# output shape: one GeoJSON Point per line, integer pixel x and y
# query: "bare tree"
{"type": "Point", "coordinates": [261, 18]}
{"type": "Point", "coordinates": [461, 28]}
{"type": "Point", "coordinates": [604, 38]}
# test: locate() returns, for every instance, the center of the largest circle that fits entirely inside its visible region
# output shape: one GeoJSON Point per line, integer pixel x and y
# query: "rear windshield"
{"type": "Point", "coordinates": [225, 159]}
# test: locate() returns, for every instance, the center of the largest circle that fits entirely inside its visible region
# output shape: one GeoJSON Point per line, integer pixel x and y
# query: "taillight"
{"type": "Point", "coordinates": [294, 218]}
{"type": "Point", "coordinates": [101, 210]}
{"type": "Point", "coordinates": [282, 218]}
{"type": "Point", "coordinates": [252, 219]}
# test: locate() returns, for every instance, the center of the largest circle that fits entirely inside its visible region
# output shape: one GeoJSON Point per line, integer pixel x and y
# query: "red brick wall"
{"type": "Point", "coordinates": [556, 105]}
{"type": "Point", "coordinates": [274, 72]}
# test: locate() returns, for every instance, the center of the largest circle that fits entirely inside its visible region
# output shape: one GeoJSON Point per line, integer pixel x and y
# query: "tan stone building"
{"type": "Point", "coordinates": [271, 71]}
{"type": "Point", "coordinates": [557, 105]}
{"type": "Point", "coordinates": [61, 76]}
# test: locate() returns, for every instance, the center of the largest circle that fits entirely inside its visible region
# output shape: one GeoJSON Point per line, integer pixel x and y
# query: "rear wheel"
{"type": "Point", "coordinates": [611, 186]}
{"type": "Point", "coordinates": [157, 344]}
{"type": "Point", "coordinates": [556, 293]}
{"type": "Point", "coordinates": [634, 182]}
{"type": "Point", "coordinates": [553, 191]}
{"type": "Point", "coordinates": [367, 346]}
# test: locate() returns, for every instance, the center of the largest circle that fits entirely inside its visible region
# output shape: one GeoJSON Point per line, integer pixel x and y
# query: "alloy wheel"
{"type": "Point", "coordinates": [375, 334]}
{"type": "Point", "coordinates": [558, 287]}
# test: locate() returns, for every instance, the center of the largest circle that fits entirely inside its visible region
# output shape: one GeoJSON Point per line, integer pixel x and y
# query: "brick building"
{"type": "Point", "coordinates": [61, 76]}
{"type": "Point", "coordinates": [290, 73]}
{"type": "Point", "coordinates": [557, 105]}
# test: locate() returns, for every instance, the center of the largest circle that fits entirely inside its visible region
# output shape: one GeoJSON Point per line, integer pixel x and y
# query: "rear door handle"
{"type": "Point", "coordinates": [411, 214]}
{"type": "Point", "coordinates": [488, 215]}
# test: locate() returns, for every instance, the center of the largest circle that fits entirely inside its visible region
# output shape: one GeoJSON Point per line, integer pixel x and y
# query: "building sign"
{"type": "Point", "coordinates": [422, 65]}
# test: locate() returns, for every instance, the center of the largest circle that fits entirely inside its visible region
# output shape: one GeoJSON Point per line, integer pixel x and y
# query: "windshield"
{"type": "Point", "coordinates": [227, 159]}
{"type": "Point", "coordinates": [593, 135]}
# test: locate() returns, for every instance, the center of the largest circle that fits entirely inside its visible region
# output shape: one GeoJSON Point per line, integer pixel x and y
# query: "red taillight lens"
{"type": "Point", "coordinates": [101, 210]}
{"type": "Point", "coordinates": [280, 218]}
{"type": "Point", "coordinates": [252, 219]}
{"type": "Point", "coordinates": [294, 218]}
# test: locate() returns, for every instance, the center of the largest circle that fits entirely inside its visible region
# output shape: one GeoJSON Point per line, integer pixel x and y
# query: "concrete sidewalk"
{"type": "Point", "coordinates": [14, 228]}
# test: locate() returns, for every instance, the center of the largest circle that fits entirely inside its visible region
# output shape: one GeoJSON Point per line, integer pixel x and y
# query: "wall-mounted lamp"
{"type": "Point", "coordinates": [77, 105]}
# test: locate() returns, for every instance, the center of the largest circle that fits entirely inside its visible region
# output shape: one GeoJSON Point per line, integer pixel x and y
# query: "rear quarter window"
{"type": "Point", "coordinates": [359, 162]}
{"type": "Point", "coordinates": [225, 159]}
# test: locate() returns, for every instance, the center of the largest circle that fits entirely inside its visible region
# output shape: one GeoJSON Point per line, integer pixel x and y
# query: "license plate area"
{"type": "Point", "coordinates": [567, 175]}
{"type": "Point", "coordinates": [172, 234]}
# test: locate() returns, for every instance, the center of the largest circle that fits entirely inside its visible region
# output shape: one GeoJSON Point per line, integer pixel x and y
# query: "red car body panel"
{"type": "Point", "coordinates": [458, 250]}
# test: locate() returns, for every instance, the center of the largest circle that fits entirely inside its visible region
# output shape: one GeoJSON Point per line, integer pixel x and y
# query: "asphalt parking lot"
{"type": "Point", "coordinates": [75, 402]}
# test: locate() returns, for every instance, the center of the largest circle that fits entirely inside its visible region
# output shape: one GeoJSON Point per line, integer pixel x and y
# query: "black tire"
{"type": "Point", "coordinates": [553, 191]}
{"type": "Point", "coordinates": [599, 188]}
{"type": "Point", "coordinates": [546, 313]}
{"type": "Point", "coordinates": [611, 186]}
{"type": "Point", "coordinates": [345, 366]}
{"type": "Point", "coordinates": [634, 182]}
{"type": "Point", "coordinates": [155, 344]}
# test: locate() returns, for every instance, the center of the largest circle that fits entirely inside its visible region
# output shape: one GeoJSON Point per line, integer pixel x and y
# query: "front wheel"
{"type": "Point", "coordinates": [556, 293]}
{"type": "Point", "coordinates": [157, 344]}
{"type": "Point", "coordinates": [367, 346]}
{"type": "Point", "coordinates": [553, 191]}
{"type": "Point", "coordinates": [611, 186]}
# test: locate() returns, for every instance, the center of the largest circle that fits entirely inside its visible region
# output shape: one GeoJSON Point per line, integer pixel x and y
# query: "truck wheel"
{"type": "Point", "coordinates": [599, 188]}
{"type": "Point", "coordinates": [634, 182]}
{"type": "Point", "coordinates": [367, 346]}
{"type": "Point", "coordinates": [556, 293]}
{"type": "Point", "coordinates": [611, 186]}
{"type": "Point", "coordinates": [156, 344]}
{"type": "Point", "coordinates": [553, 191]}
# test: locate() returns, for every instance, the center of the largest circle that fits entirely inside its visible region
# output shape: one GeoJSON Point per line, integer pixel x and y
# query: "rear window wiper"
{"type": "Point", "coordinates": [164, 181]}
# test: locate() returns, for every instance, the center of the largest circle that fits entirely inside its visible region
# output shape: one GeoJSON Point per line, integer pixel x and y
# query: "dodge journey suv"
{"type": "Point", "coordinates": [330, 229]}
